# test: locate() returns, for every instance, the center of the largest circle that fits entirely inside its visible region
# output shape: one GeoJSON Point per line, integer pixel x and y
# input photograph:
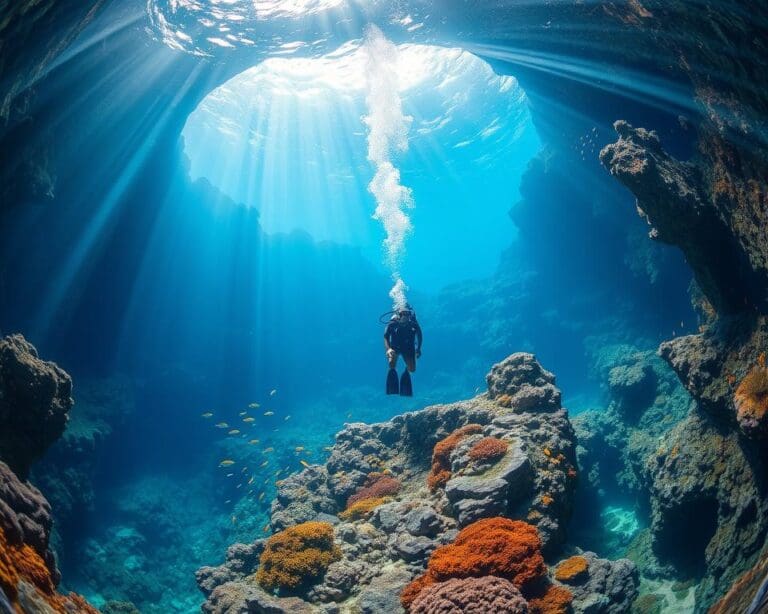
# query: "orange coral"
{"type": "Point", "coordinates": [546, 499]}
{"type": "Point", "coordinates": [556, 600]}
{"type": "Point", "coordinates": [488, 449]}
{"type": "Point", "coordinates": [509, 549]}
{"type": "Point", "coordinates": [751, 397]}
{"type": "Point", "coordinates": [504, 400]}
{"type": "Point", "coordinates": [571, 569]}
{"type": "Point", "coordinates": [441, 455]}
{"type": "Point", "coordinates": [376, 485]}
{"type": "Point", "coordinates": [22, 562]}
{"type": "Point", "coordinates": [362, 509]}
{"type": "Point", "coordinates": [297, 556]}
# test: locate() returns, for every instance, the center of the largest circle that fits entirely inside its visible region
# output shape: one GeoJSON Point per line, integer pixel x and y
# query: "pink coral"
{"type": "Point", "coordinates": [470, 596]}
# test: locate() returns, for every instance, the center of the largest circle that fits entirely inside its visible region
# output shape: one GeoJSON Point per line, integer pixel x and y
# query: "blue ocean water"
{"type": "Point", "coordinates": [220, 252]}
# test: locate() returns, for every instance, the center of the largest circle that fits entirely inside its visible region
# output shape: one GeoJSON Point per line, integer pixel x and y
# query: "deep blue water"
{"type": "Point", "coordinates": [212, 240]}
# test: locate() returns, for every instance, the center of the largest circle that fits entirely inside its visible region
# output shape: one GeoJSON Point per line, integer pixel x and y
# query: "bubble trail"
{"type": "Point", "coordinates": [387, 135]}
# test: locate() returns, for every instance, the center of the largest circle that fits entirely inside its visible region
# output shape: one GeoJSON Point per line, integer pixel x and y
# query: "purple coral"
{"type": "Point", "coordinates": [470, 596]}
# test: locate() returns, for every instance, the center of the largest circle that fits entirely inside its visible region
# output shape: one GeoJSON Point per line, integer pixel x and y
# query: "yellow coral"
{"type": "Point", "coordinates": [571, 568]}
{"type": "Point", "coordinates": [297, 557]}
{"type": "Point", "coordinates": [362, 508]}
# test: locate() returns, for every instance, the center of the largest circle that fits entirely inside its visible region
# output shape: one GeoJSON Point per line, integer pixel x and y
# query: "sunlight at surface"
{"type": "Point", "coordinates": [287, 137]}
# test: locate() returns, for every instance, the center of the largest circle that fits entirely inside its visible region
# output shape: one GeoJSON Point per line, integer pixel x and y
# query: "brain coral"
{"type": "Point", "coordinates": [571, 569]}
{"type": "Point", "coordinates": [470, 596]}
{"type": "Point", "coordinates": [296, 557]}
{"type": "Point", "coordinates": [441, 455]}
{"type": "Point", "coordinates": [751, 399]}
{"type": "Point", "coordinates": [509, 549]}
{"type": "Point", "coordinates": [488, 449]}
{"type": "Point", "coordinates": [376, 485]}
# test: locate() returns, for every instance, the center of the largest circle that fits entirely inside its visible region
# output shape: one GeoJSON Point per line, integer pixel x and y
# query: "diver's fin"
{"type": "Point", "coordinates": [393, 386]}
{"type": "Point", "coordinates": [406, 390]}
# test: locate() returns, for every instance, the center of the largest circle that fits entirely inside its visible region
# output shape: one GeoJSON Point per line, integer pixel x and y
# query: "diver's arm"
{"type": "Point", "coordinates": [419, 339]}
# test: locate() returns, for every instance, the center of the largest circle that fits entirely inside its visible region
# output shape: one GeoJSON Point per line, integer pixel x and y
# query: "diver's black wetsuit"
{"type": "Point", "coordinates": [402, 337]}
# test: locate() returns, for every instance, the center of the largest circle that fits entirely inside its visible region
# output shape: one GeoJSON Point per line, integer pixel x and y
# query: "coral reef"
{"type": "Point", "coordinates": [491, 519]}
{"type": "Point", "coordinates": [500, 547]}
{"type": "Point", "coordinates": [35, 400]}
{"type": "Point", "coordinates": [297, 556]}
{"type": "Point", "coordinates": [471, 596]}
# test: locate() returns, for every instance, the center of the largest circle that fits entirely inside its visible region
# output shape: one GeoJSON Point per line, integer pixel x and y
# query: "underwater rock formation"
{"type": "Point", "coordinates": [524, 490]}
{"type": "Point", "coordinates": [35, 398]}
{"type": "Point", "coordinates": [34, 401]}
{"type": "Point", "coordinates": [714, 517]}
{"type": "Point", "coordinates": [28, 572]}
{"type": "Point", "coordinates": [708, 477]}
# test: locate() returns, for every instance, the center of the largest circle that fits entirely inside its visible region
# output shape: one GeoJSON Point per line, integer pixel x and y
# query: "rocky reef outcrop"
{"type": "Point", "coordinates": [407, 502]}
{"type": "Point", "coordinates": [34, 401]}
{"type": "Point", "coordinates": [708, 476]}
{"type": "Point", "coordinates": [35, 398]}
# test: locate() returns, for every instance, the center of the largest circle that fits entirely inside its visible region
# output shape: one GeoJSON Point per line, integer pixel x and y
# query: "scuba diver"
{"type": "Point", "coordinates": [402, 337]}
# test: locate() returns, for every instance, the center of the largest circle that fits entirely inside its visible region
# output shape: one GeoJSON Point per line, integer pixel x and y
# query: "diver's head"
{"type": "Point", "coordinates": [406, 312]}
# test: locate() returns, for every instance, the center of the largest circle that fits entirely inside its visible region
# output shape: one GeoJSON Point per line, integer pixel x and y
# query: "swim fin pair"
{"type": "Point", "coordinates": [402, 387]}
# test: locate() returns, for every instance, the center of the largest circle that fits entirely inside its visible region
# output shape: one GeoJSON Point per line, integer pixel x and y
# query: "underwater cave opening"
{"type": "Point", "coordinates": [686, 533]}
{"type": "Point", "coordinates": [288, 137]}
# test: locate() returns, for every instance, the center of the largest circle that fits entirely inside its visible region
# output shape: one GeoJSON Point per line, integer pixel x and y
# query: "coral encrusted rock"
{"type": "Point", "coordinates": [495, 512]}
{"type": "Point", "coordinates": [709, 503]}
{"type": "Point", "coordinates": [35, 397]}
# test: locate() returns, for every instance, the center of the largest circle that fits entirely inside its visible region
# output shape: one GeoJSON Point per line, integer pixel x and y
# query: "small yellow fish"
{"type": "Point", "coordinates": [287, 418]}
{"type": "Point", "coordinates": [305, 463]}
{"type": "Point", "coordinates": [253, 441]}
{"type": "Point", "coordinates": [238, 486]}
{"type": "Point", "coordinates": [261, 496]}
{"type": "Point", "coordinates": [251, 480]}
{"type": "Point", "coordinates": [229, 475]}
{"type": "Point", "coordinates": [254, 405]}
{"type": "Point", "coordinates": [233, 432]}
{"type": "Point", "coordinates": [264, 464]}
{"type": "Point", "coordinates": [249, 419]}
{"type": "Point", "coordinates": [222, 425]}
{"type": "Point", "coordinates": [273, 393]}
{"type": "Point", "coordinates": [299, 448]}
{"type": "Point", "coordinates": [207, 414]}
{"type": "Point", "coordinates": [328, 448]}
{"type": "Point", "coordinates": [228, 501]}
{"type": "Point", "coordinates": [226, 463]}
{"type": "Point", "coordinates": [268, 450]}
{"type": "Point", "coordinates": [242, 413]}
{"type": "Point", "coordinates": [266, 528]}
{"type": "Point", "coordinates": [269, 413]}
{"type": "Point", "coordinates": [234, 519]}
